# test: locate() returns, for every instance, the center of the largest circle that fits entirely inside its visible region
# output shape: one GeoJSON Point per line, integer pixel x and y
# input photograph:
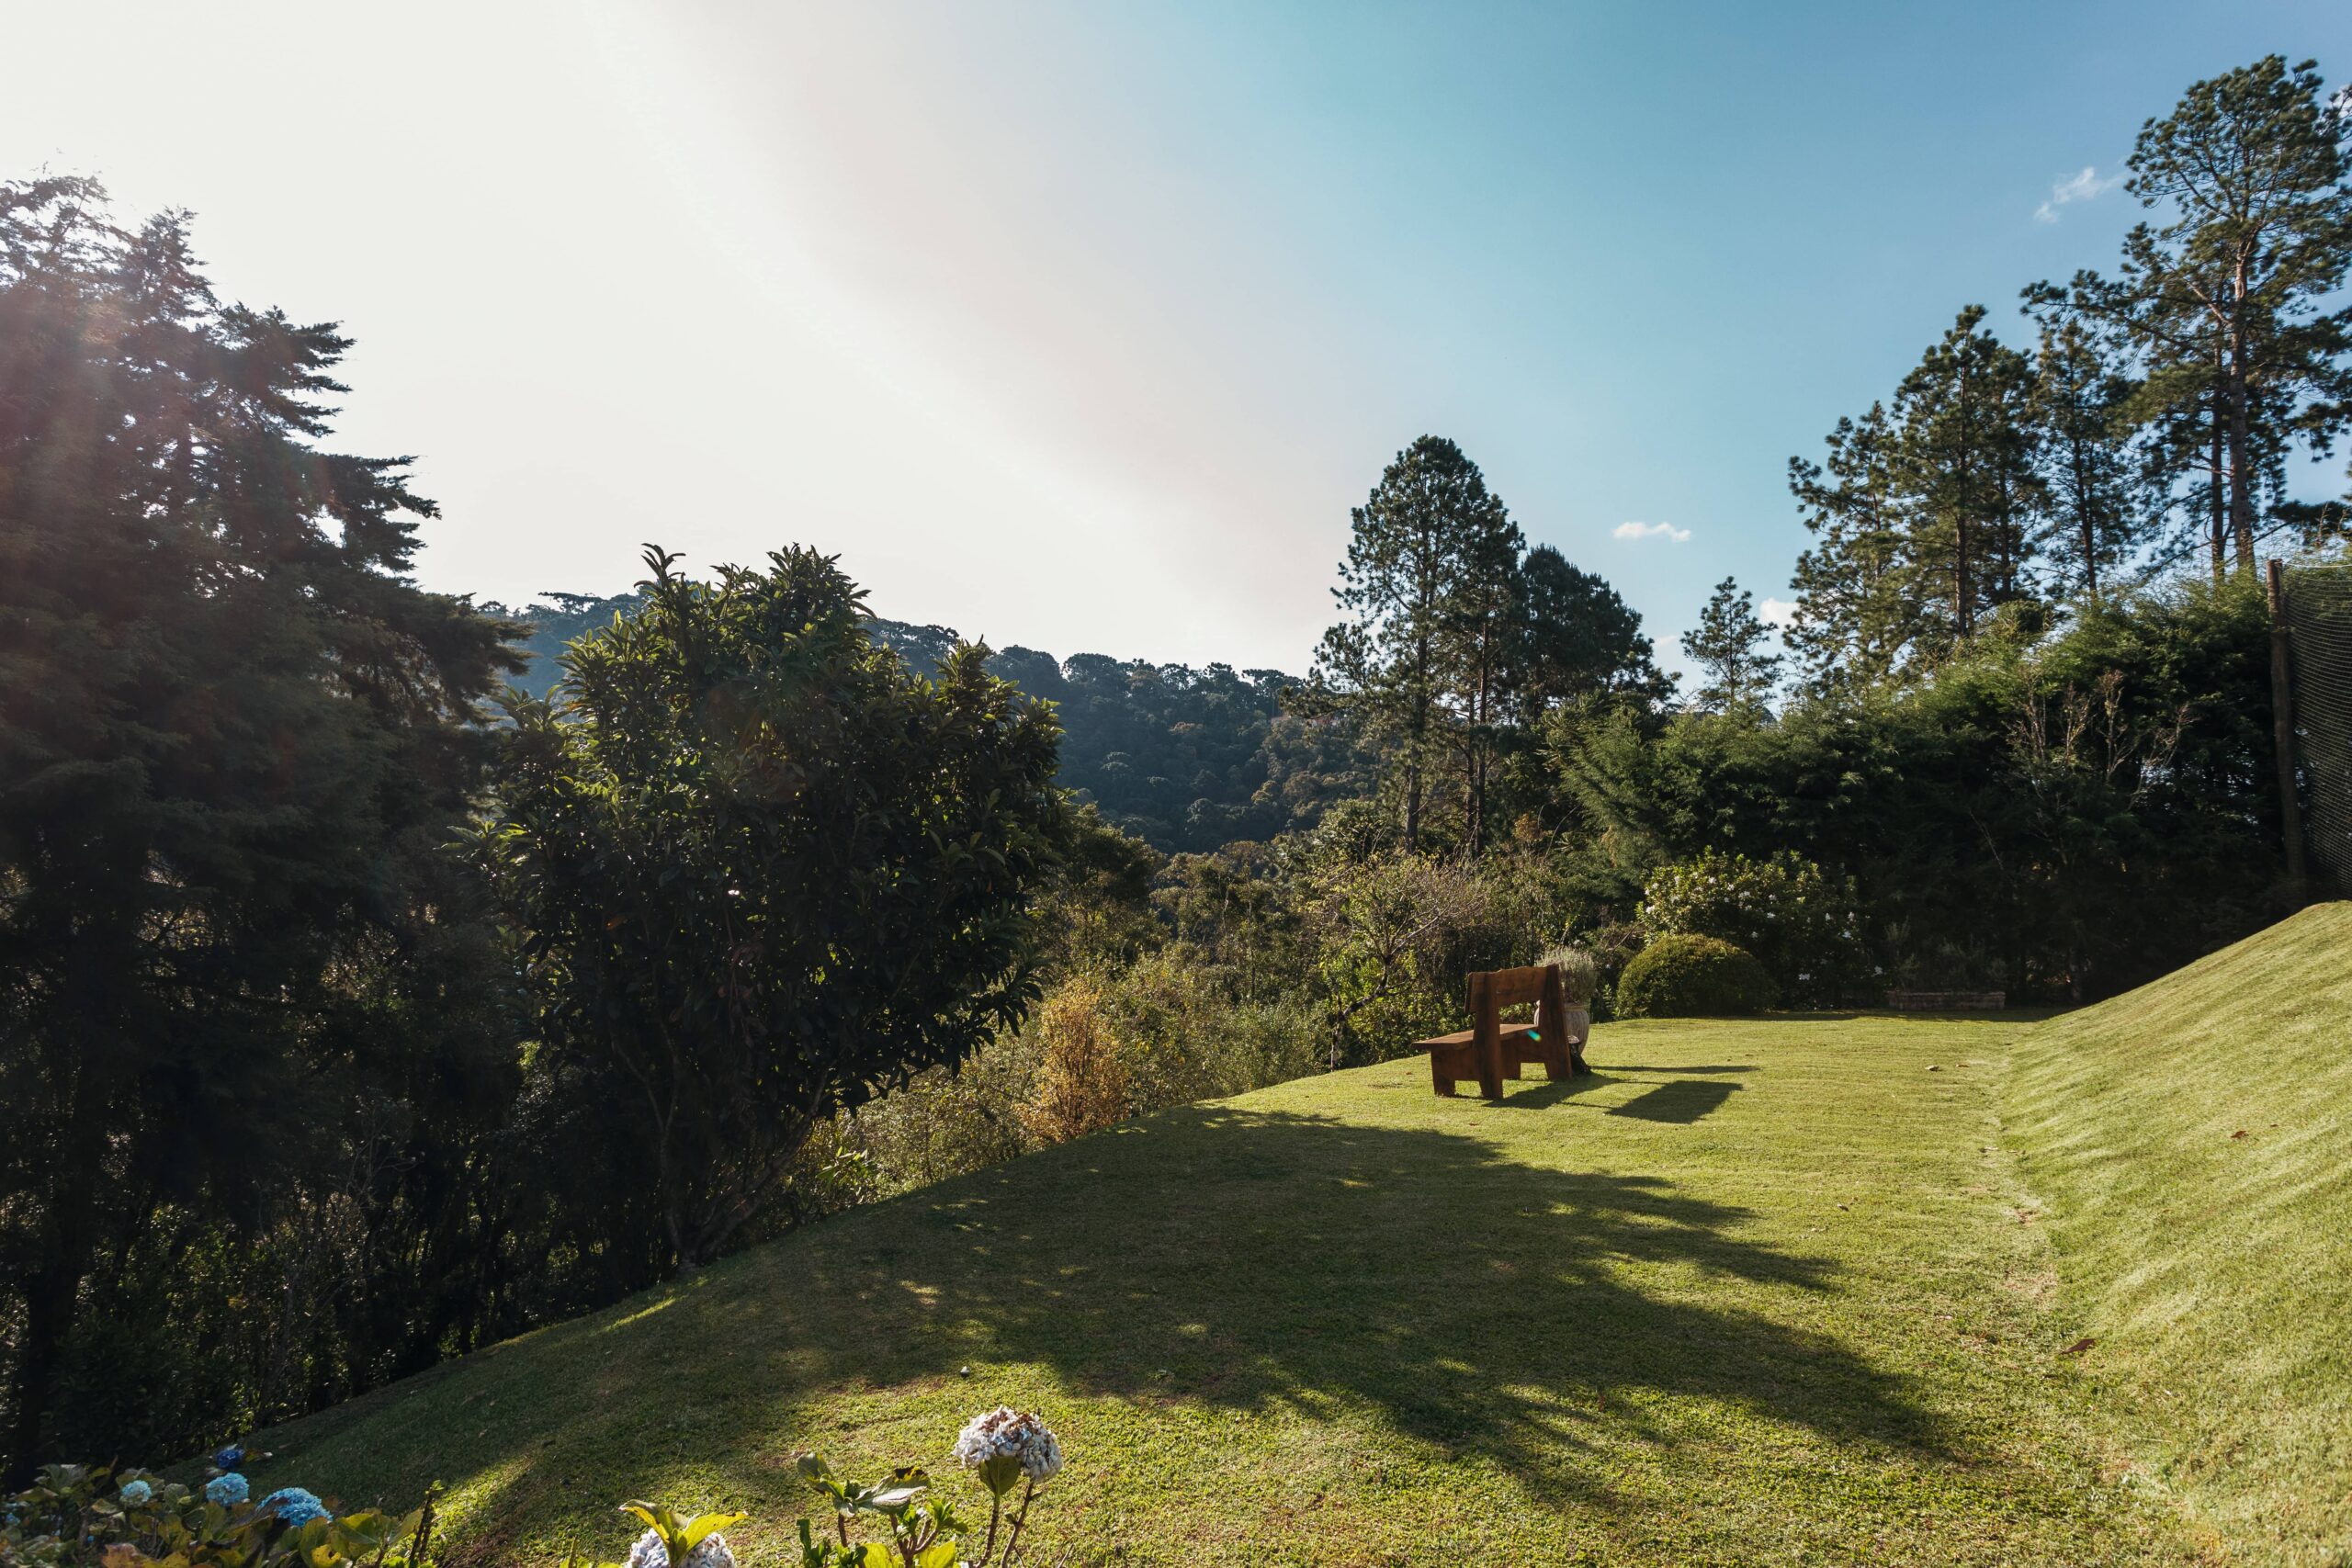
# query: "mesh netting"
{"type": "Point", "coordinates": [2319, 623]}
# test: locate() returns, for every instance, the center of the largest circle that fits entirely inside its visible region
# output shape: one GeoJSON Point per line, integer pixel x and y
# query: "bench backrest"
{"type": "Point", "coordinates": [1500, 988]}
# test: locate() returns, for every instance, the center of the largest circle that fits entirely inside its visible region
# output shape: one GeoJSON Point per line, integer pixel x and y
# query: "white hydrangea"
{"type": "Point", "coordinates": [1005, 1431]}
{"type": "Point", "coordinates": [649, 1552]}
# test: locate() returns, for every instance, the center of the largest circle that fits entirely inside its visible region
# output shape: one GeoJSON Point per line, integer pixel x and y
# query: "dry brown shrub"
{"type": "Point", "coordinates": [1081, 1081]}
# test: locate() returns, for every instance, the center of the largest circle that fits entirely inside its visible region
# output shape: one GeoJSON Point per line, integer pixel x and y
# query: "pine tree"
{"type": "Point", "coordinates": [1965, 460]}
{"type": "Point", "coordinates": [1577, 639]}
{"type": "Point", "coordinates": [1858, 605]}
{"type": "Point", "coordinates": [1482, 625]}
{"type": "Point", "coordinates": [2089, 472]}
{"type": "Point", "coordinates": [231, 729]}
{"type": "Point", "coordinates": [2233, 299]}
{"type": "Point", "coordinates": [1728, 647]}
{"type": "Point", "coordinates": [1419, 591]}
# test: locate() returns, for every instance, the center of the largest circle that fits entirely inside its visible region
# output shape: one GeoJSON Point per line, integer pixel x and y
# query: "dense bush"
{"type": "Point", "coordinates": [1800, 926]}
{"type": "Point", "coordinates": [2064, 815]}
{"type": "Point", "coordinates": [1693, 977]}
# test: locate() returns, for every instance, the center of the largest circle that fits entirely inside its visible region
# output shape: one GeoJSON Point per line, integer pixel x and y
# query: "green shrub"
{"type": "Point", "coordinates": [1187, 1038]}
{"type": "Point", "coordinates": [1693, 977]}
{"type": "Point", "coordinates": [1801, 925]}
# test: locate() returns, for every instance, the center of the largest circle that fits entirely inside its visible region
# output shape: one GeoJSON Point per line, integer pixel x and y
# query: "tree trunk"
{"type": "Point", "coordinates": [2083, 512]}
{"type": "Point", "coordinates": [2220, 493]}
{"type": "Point", "coordinates": [2240, 469]}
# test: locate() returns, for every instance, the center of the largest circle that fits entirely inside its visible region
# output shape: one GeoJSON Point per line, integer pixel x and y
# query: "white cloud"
{"type": "Point", "coordinates": [2089, 186]}
{"type": "Point", "coordinates": [1650, 531]}
{"type": "Point", "coordinates": [1777, 613]}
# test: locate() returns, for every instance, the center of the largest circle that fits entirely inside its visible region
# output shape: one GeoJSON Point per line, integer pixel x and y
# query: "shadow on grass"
{"type": "Point", "coordinates": [1726, 1067]}
{"type": "Point", "coordinates": [1535, 1318]}
{"type": "Point", "coordinates": [1548, 1092]}
{"type": "Point", "coordinates": [1684, 1101]}
{"type": "Point", "coordinates": [1481, 1305]}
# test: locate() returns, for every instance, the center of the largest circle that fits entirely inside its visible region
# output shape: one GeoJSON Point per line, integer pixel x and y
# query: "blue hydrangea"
{"type": "Point", "coordinates": [227, 1490]}
{"type": "Point", "coordinates": [229, 1457]}
{"type": "Point", "coordinates": [137, 1493]}
{"type": "Point", "coordinates": [294, 1506]}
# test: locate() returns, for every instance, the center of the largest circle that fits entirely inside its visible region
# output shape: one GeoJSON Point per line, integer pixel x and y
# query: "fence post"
{"type": "Point", "coordinates": [2282, 730]}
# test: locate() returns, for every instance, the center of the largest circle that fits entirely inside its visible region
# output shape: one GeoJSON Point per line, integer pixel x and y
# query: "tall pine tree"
{"type": "Point", "coordinates": [1965, 460]}
{"type": "Point", "coordinates": [2234, 297]}
{"type": "Point", "coordinates": [1858, 605]}
{"type": "Point", "coordinates": [1728, 646]}
{"type": "Point", "coordinates": [2090, 475]}
{"type": "Point", "coordinates": [230, 727]}
{"type": "Point", "coordinates": [1425, 588]}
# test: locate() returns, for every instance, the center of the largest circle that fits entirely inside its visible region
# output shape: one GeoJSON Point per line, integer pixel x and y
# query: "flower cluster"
{"type": "Point", "coordinates": [80, 1514]}
{"type": "Point", "coordinates": [651, 1552]}
{"type": "Point", "coordinates": [294, 1506]}
{"type": "Point", "coordinates": [1007, 1433]}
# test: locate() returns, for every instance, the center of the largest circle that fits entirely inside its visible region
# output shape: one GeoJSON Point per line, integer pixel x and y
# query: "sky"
{"type": "Point", "coordinates": [1084, 326]}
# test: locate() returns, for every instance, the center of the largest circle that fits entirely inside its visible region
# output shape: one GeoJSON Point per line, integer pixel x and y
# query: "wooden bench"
{"type": "Point", "coordinates": [1491, 1050]}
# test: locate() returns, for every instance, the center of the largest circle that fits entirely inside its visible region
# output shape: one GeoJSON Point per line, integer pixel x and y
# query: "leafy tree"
{"type": "Point", "coordinates": [231, 731]}
{"type": "Point", "coordinates": [2234, 299]}
{"type": "Point", "coordinates": [1728, 647]}
{"type": "Point", "coordinates": [766, 873]}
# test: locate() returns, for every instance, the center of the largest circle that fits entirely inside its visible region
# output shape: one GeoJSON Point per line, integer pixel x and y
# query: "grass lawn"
{"type": "Point", "coordinates": [1759, 1293]}
{"type": "Point", "coordinates": [2188, 1139]}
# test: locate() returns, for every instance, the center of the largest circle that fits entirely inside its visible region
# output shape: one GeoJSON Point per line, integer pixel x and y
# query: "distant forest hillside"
{"type": "Point", "coordinates": [1188, 759]}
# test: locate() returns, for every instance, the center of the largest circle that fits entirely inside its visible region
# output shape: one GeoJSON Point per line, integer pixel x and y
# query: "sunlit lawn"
{"type": "Point", "coordinates": [2190, 1142]}
{"type": "Point", "coordinates": [1758, 1292]}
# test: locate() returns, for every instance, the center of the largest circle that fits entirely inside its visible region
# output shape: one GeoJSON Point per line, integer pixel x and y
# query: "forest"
{"type": "Point", "coordinates": [1186, 759]}
{"type": "Point", "coordinates": [387, 973]}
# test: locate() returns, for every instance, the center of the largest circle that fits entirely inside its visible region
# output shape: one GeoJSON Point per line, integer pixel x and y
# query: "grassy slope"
{"type": "Point", "coordinates": [1756, 1294]}
{"type": "Point", "coordinates": [2215, 1269]}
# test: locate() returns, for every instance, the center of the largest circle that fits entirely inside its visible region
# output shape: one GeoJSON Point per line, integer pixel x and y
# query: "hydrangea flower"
{"type": "Point", "coordinates": [227, 1490]}
{"type": "Point", "coordinates": [294, 1506]}
{"type": "Point", "coordinates": [229, 1457]}
{"type": "Point", "coordinates": [137, 1493]}
{"type": "Point", "coordinates": [1006, 1433]}
{"type": "Point", "coordinates": [651, 1552]}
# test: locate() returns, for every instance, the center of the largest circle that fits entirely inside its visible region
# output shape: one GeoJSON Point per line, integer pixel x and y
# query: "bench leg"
{"type": "Point", "coordinates": [1490, 1068]}
{"type": "Point", "coordinates": [1439, 1079]}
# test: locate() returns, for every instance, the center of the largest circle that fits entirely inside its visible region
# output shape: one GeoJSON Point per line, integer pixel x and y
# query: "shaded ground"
{"type": "Point", "coordinates": [1758, 1292]}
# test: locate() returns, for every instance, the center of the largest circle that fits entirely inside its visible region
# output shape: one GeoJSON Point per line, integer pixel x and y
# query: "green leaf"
{"type": "Point", "coordinates": [703, 1525]}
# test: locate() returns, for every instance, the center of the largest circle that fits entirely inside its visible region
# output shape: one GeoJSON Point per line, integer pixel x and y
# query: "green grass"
{"type": "Point", "coordinates": [2189, 1140]}
{"type": "Point", "coordinates": [1758, 1294]}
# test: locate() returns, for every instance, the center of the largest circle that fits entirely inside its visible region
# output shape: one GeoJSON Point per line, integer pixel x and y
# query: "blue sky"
{"type": "Point", "coordinates": [1082, 326]}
